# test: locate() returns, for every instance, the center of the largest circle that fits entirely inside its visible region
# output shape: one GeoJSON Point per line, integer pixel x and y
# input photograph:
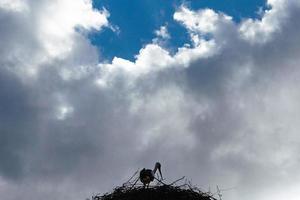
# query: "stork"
{"type": "Point", "coordinates": [148, 175]}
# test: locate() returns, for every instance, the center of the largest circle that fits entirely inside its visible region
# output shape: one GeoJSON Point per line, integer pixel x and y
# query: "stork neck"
{"type": "Point", "coordinates": [156, 167]}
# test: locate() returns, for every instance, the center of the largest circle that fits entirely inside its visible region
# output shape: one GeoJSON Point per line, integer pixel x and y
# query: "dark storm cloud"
{"type": "Point", "coordinates": [17, 133]}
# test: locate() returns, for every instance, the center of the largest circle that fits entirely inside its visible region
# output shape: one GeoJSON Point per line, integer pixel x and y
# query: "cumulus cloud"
{"type": "Point", "coordinates": [223, 111]}
{"type": "Point", "coordinates": [47, 31]}
{"type": "Point", "coordinates": [252, 29]}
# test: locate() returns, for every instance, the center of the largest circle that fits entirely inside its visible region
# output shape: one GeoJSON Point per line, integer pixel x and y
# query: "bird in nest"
{"type": "Point", "coordinates": [148, 175]}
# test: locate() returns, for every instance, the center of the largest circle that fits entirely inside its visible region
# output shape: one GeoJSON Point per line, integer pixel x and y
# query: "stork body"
{"type": "Point", "coordinates": [148, 175]}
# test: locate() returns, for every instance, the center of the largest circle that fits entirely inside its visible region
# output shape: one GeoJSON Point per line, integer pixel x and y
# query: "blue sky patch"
{"type": "Point", "coordinates": [137, 20]}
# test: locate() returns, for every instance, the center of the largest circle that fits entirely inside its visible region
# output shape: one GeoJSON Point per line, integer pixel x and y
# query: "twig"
{"type": "Point", "coordinates": [160, 181]}
{"type": "Point", "coordinates": [132, 176]}
{"type": "Point", "coordinates": [176, 181]}
{"type": "Point", "coordinates": [134, 183]}
{"type": "Point", "coordinates": [219, 193]}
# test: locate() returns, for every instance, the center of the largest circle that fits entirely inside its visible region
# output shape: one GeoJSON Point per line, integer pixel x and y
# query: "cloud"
{"type": "Point", "coordinates": [162, 32]}
{"type": "Point", "coordinates": [15, 5]}
{"type": "Point", "coordinates": [47, 31]}
{"type": "Point", "coordinates": [270, 22]}
{"type": "Point", "coordinates": [223, 111]}
{"type": "Point", "coordinates": [237, 85]}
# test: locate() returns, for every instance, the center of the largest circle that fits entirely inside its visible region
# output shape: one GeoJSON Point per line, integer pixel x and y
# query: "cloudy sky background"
{"type": "Point", "coordinates": [222, 108]}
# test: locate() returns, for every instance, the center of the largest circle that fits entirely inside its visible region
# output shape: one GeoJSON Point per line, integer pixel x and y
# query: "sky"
{"type": "Point", "coordinates": [149, 15]}
{"type": "Point", "coordinates": [91, 91]}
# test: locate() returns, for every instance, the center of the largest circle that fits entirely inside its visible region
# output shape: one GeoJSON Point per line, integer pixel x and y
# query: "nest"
{"type": "Point", "coordinates": [160, 191]}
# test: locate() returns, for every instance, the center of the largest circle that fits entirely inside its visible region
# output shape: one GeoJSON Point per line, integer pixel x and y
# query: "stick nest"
{"type": "Point", "coordinates": [159, 192]}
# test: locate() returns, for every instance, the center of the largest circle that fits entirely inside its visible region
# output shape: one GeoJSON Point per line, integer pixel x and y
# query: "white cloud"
{"type": "Point", "coordinates": [47, 32]}
{"type": "Point", "coordinates": [58, 32]}
{"type": "Point", "coordinates": [259, 31]}
{"type": "Point", "coordinates": [150, 58]}
{"type": "Point", "coordinates": [162, 36]}
{"type": "Point", "coordinates": [162, 32]}
{"type": "Point", "coordinates": [153, 58]}
{"type": "Point", "coordinates": [14, 5]}
{"type": "Point", "coordinates": [202, 22]}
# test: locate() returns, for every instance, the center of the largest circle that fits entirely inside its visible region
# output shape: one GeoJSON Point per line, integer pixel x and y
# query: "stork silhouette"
{"type": "Point", "coordinates": [148, 175]}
